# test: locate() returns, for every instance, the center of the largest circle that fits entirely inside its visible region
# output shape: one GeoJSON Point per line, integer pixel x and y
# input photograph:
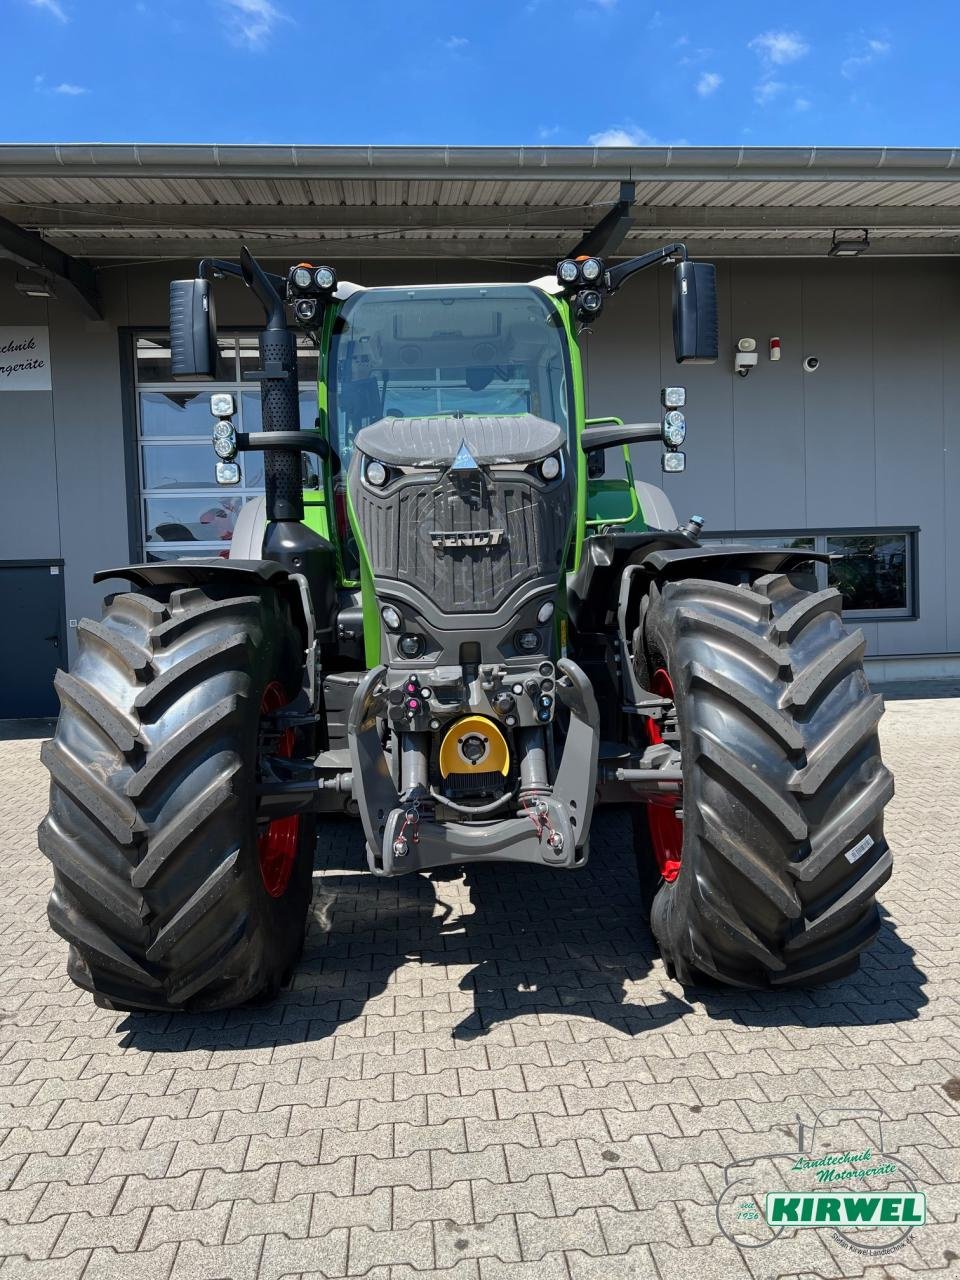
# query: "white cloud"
{"type": "Point", "coordinates": [65, 87]}
{"type": "Point", "coordinates": [865, 52]}
{"type": "Point", "coordinates": [766, 90]}
{"type": "Point", "coordinates": [623, 137]}
{"type": "Point", "coordinates": [709, 83]}
{"type": "Point", "coordinates": [779, 47]}
{"type": "Point", "coordinates": [775, 49]}
{"type": "Point", "coordinates": [547, 131]}
{"type": "Point", "coordinates": [802, 104]}
{"type": "Point", "coordinates": [51, 6]}
{"type": "Point", "coordinates": [252, 22]}
{"type": "Point", "coordinates": [456, 42]}
{"type": "Point", "coordinates": [605, 4]}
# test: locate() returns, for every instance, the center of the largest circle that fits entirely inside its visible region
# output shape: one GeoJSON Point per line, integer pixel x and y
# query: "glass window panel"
{"type": "Point", "coordinates": [308, 358]}
{"type": "Point", "coordinates": [248, 350]}
{"type": "Point", "coordinates": [176, 413]}
{"type": "Point", "coordinates": [779, 540]}
{"type": "Point", "coordinates": [186, 466]}
{"type": "Point", "coordinates": [873, 571]}
{"type": "Point", "coordinates": [204, 518]}
{"type": "Point", "coordinates": [208, 551]}
{"type": "Point", "coordinates": [253, 418]}
{"type": "Point", "coordinates": [153, 359]}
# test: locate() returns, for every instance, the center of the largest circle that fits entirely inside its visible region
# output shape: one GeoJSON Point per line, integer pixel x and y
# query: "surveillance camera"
{"type": "Point", "coordinates": [744, 361]}
{"type": "Point", "coordinates": [811, 363]}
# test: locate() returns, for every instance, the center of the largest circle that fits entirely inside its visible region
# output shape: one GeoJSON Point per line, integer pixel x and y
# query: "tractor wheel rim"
{"type": "Point", "coordinates": [277, 845]}
{"type": "Point", "coordinates": [666, 829]}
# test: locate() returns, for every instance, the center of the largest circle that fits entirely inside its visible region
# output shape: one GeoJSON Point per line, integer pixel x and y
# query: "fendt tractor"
{"type": "Point", "coordinates": [459, 628]}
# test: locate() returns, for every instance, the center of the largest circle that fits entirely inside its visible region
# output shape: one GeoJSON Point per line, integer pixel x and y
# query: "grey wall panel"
{"type": "Point", "coordinates": [951, 469]}
{"type": "Point", "coordinates": [708, 487]}
{"type": "Point", "coordinates": [90, 455]}
{"type": "Point", "coordinates": [621, 357]}
{"type": "Point", "coordinates": [838, 399]}
{"type": "Point", "coordinates": [767, 404]}
{"type": "Point", "coordinates": [28, 496]}
{"type": "Point", "coordinates": [29, 528]}
{"type": "Point", "coordinates": [908, 381]}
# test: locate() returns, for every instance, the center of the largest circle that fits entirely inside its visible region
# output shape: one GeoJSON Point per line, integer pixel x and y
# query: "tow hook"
{"type": "Point", "coordinates": [411, 819]}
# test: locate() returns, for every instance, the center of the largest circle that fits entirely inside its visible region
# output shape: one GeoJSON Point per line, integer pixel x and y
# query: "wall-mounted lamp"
{"type": "Point", "coordinates": [849, 242]}
{"type": "Point", "coordinates": [34, 288]}
{"type": "Point", "coordinates": [745, 357]}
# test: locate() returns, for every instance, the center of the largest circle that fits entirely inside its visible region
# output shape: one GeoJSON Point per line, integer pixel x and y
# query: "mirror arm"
{"type": "Point", "coordinates": [267, 286]}
{"type": "Point", "coordinates": [592, 438]}
{"type": "Point", "coordinates": [611, 230]}
{"type": "Point", "coordinates": [615, 276]}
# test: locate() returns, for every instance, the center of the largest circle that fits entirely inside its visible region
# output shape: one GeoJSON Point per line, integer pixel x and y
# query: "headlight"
{"type": "Point", "coordinates": [528, 641]}
{"type": "Point", "coordinates": [326, 278]}
{"type": "Point", "coordinates": [306, 309]}
{"type": "Point", "coordinates": [221, 404]}
{"type": "Point", "coordinates": [410, 646]}
{"type": "Point", "coordinates": [222, 430]}
{"type": "Point", "coordinates": [302, 278]}
{"type": "Point", "coordinates": [550, 467]}
{"type": "Point", "coordinates": [674, 428]}
{"type": "Point", "coordinates": [376, 473]}
{"type": "Point", "coordinates": [674, 397]}
{"type": "Point", "coordinates": [591, 270]}
{"type": "Point", "coordinates": [228, 473]}
{"type": "Point", "coordinates": [589, 300]}
{"type": "Point", "coordinates": [391, 619]}
{"type": "Point", "coordinates": [568, 272]}
{"type": "Point", "coordinates": [545, 612]}
{"type": "Point", "coordinates": [226, 446]}
{"type": "Point", "coordinates": [674, 461]}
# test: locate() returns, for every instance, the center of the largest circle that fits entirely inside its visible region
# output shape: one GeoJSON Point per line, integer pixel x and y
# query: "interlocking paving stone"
{"type": "Point", "coordinates": [479, 1076]}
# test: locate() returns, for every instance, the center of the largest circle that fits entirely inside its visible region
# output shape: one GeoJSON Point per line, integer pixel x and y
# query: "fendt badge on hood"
{"type": "Point", "coordinates": [467, 538]}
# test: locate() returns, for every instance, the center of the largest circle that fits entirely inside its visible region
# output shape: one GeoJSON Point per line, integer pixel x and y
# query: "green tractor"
{"type": "Point", "coordinates": [468, 635]}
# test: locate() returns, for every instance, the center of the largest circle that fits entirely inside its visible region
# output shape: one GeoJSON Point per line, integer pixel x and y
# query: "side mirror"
{"type": "Point", "coordinates": [193, 331]}
{"type": "Point", "coordinates": [695, 336]}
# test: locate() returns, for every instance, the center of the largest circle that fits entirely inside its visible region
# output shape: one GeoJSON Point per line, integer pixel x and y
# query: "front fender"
{"type": "Point", "coordinates": [686, 562]}
{"type": "Point", "coordinates": [239, 575]}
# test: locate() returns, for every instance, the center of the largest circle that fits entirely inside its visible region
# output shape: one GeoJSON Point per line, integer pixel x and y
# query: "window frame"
{"type": "Point", "coordinates": [910, 611]}
{"type": "Point", "coordinates": [140, 545]}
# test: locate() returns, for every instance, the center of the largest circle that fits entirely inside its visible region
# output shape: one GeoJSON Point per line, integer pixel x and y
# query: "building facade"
{"type": "Point", "coordinates": [849, 442]}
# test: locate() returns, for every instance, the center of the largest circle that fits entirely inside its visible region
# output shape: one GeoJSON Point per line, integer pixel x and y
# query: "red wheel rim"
{"type": "Point", "coordinates": [277, 845]}
{"type": "Point", "coordinates": [666, 829]}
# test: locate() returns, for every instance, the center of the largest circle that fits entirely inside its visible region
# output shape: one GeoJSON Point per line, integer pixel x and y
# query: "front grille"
{"type": "Point", "coordinates": [530, 530]}
{"type": "Point", "coordinates": [473, 784]}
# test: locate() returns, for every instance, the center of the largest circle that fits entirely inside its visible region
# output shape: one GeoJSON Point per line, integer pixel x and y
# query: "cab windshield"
{"type": "Point", "coordinates": [471, 349]}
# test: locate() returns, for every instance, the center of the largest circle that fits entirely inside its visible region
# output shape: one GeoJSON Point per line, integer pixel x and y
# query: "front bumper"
{"type": "Point", "coordinates": [551, 829]}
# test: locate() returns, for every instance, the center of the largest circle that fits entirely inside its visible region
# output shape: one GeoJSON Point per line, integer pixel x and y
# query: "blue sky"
{"type": "Point", "coordinates": [563, 72]}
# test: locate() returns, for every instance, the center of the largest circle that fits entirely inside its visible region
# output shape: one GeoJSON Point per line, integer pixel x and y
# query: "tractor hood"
{"type": "Point", "coordinates": [449, 441]}
{"type": "Point", "coordinates": [465, 524]}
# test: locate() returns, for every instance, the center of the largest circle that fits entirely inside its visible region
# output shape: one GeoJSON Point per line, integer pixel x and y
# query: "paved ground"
{"type": "Point", "coordinates": [480, 1078]}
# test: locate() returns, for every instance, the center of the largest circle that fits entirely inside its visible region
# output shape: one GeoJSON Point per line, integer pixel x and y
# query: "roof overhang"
{"type": "Point", "coordinates": [525, 204]}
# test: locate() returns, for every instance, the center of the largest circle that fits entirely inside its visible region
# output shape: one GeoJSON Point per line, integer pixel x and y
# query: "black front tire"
{"type": "Point", "coordinates": [152, 828]}
{"type": "Point", "coordinates": [783, 785]}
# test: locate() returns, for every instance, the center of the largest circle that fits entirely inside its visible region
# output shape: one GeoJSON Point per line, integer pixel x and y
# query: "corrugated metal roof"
{"type": "Point", "coordinates": [105, 200]}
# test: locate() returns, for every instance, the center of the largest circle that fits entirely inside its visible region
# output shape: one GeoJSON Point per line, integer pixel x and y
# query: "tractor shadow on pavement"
{"type": "Point", "coordinates": [463, 951]}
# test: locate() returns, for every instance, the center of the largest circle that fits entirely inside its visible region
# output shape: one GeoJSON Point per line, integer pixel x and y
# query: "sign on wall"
{"type": "Point", "coordinates": [24, 357]}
